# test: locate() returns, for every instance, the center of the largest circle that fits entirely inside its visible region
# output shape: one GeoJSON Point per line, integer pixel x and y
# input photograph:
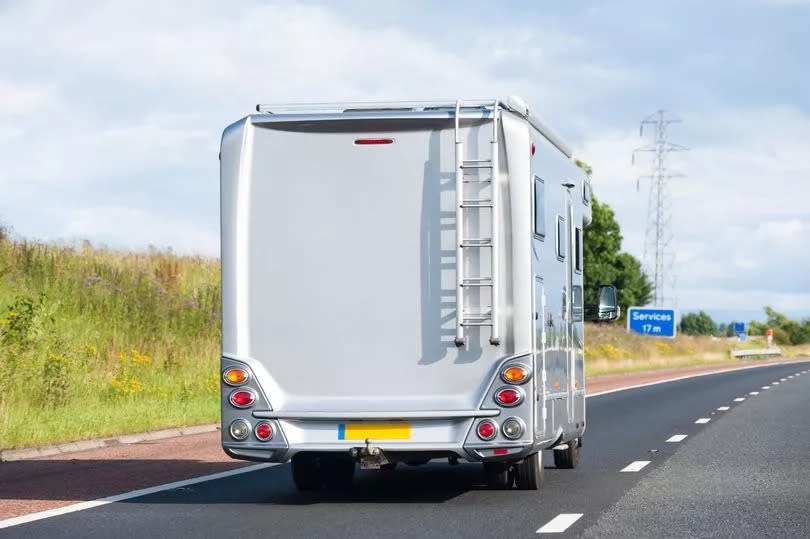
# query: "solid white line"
{"type": "Point", "coordinates": [560, 523]}
{"type": "Point", "coordinates": [635, 466]}
{"type": "Point", "coordinates": [754, 393]}
{"type": "Point", "coordinates": [677, 438]}
{"type": "Point", "coordinates": [15, 521]}
{"type": "Point", "coordinates": [702, 420]}
{"type": "Point", "coordinates": [724, 408]}
{"type": "Point", "coordinates": [637, 386]}
{"type": "Point", "coordinates": [739, 399]}
{"type": "Point", "coordinates": [766, 387]}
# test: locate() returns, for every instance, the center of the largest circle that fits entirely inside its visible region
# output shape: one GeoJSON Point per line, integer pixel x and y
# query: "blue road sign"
{"type": "Point", "coordinates": [653, 322]}
{"type": "Point", "coordinates": [739, 328]}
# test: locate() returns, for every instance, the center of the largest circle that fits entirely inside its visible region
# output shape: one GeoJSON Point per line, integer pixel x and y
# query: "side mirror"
{"type": "Point", "coordinates": [608, 309]}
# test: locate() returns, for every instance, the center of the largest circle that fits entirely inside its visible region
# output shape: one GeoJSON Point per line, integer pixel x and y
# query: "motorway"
{"type": "Point", "coordinates": [722, 455]}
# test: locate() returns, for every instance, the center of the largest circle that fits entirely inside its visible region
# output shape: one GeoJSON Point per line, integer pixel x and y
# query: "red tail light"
{"type": "Point", "coordinates": [242, 398]}
{"type": "Point", "coordinates": [264, 431]}
{"type": "Point", "coordinates": [486, 430]}
{"type": "Point", "coordinates": [367, 141]}
{"type": "Point", "coordinates": [508, 396]}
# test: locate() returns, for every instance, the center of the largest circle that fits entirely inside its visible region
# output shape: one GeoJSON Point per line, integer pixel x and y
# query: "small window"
{"type": "Point", "coordinates": [576, 300]}
{"type": "Point", "coordinates": [561, 237]}
{"type": "Point", "coordinates": [539, 207]}
{"type": "Point", "coordinates": [578, 250]}
{"type": "Point", "coordinates": [586, 192]}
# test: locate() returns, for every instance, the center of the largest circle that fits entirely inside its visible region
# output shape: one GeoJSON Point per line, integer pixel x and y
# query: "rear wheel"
{"type": "Point", "coordinates": [306, 472]}
{"type": "Point", "coordinates": [499, 475]}
{"type": "Point", "coordinates": [529, 472]}
{"type": "Point", "coordinates": [569, 457]}
{"type": "Point", "coordinates": [337, 471]}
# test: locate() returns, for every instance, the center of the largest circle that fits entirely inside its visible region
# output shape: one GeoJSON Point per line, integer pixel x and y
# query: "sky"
{"type": "Point", "coordinates": [111, 113]}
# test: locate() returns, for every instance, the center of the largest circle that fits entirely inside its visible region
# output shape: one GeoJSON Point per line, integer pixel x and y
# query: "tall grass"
{"type": "Point", "coordinates": [96, 342]}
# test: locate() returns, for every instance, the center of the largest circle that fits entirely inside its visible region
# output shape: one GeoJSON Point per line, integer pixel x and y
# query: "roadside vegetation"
{"type": "Point", "coordinates": [96, 342]}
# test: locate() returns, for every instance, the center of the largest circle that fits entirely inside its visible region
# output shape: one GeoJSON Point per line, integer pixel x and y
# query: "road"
{"type": "Point", "coordinates": [740, 472]}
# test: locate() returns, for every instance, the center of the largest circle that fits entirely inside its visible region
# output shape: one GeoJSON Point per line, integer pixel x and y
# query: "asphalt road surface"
{"type": "Point", "coordinates": [731, 468]}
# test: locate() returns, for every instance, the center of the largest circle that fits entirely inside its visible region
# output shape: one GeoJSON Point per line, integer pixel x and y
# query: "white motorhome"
{"type": "Point", "coordinates": [403, 282]}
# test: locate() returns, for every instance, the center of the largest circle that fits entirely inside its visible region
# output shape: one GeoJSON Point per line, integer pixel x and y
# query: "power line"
{"type": "Point", "coordinates": [658, 235]}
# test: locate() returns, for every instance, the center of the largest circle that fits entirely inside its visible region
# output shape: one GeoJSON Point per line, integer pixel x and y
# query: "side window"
{"type": "Point", "coordinates": [576, 300]}
{"type": "Point", "coordinates": [539, 208]}
{"type": "Point", "coordinates": [578, 250]}
{"type": "Point", "coordinates": [561, 237]}
{"type": "Point", "coordinates": [586, 192]}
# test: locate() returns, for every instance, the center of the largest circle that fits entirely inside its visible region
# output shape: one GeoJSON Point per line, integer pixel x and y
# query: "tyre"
{"type": "Point", "coordinates": [337, 472]}
{"type": "Point", "coordinates": [568, 458]}
{"type": "Point", "coordinates": [306, 472]}
{"type": "Point", "coordinates": [529, 472]}
{"type": "Point", "coordinates": [499, 475]}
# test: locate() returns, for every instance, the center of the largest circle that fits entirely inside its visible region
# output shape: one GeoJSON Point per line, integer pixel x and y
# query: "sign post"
{"type": "Point", "coordinates": [652, 322]}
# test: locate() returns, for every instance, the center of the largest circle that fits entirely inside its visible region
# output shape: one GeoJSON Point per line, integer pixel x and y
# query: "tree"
{"type": "Point", "coordinates": [698, 324]}
{"type": "Point", "coordinates": [605, 263]}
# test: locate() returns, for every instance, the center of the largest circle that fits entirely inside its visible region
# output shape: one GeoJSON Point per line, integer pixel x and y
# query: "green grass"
{"type": "Point", "coordinates": [96, 342]}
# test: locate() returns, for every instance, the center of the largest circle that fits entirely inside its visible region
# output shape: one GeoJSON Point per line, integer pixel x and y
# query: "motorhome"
{"type": "Point", "coordinates": [403, 282]}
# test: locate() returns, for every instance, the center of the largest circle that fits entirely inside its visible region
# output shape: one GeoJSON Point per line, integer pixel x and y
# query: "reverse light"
{"type": "Point", "coordinates": [235, 376]}
{"type": "Point", "coordinates": [512, 428]}
{"type": "Point", "coordinates": [242, 398]}
{"type": "Point", "coordinates": [515, 374]}
{"type": "Point", "coordinates": [508, 396]}
{"type": "Point", "coordinates": [264, 431]}
{"type": "Point", "coordinates": [486, 430]}
{"type": "Point", "coordinates": [239, 429]}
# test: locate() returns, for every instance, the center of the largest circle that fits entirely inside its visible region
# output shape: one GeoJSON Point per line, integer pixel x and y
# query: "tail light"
{"type": "Point", "coordinates": [509, 396]}
{"type": "Point", "coordinates": [515, 374]}
{"type": "Point", "coordinates": [235, 376]}
{"type": "Point", "coordinates": [486, 430]}
{"type": "Point", "coordinates": [264, 431]}
{"type": "Point", "coordinates": [239, 429]}
{"type": "Point", "coordinates": [242, 398]}
{"type": "Point", "coordinates": [513, 428]}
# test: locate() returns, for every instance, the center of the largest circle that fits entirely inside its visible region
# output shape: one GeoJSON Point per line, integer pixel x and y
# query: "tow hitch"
{"type": "Point", "coordinates": [370, 458]}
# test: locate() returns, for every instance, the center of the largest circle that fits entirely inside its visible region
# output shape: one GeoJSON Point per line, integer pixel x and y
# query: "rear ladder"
{"type": "Point", "coordinates": [465, 318]}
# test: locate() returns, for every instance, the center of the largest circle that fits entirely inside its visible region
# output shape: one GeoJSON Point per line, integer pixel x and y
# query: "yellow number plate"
{"type": "Point", "coordinates": [374, 431]}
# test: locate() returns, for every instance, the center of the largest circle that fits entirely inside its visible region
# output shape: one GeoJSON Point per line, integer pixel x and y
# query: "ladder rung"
{"type": "Point", "coordinates": [468, 164]}
{"type": "Point", "coordinates": [484, 281]}
{"type": "Point", "coordinates": [478, 181]}
{"type": "Point", "coordinates": [476, 203]}
{"type": "Point", "coordinates": [472, 243]}
{"type": "Point", "coordinates": [476, 323]}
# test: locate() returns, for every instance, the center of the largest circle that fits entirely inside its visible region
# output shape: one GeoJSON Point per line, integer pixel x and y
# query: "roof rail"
{"type": "Point", "coordinates": [371, 105]}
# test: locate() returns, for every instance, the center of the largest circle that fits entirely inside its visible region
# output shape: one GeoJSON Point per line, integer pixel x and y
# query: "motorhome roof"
{"type": "Point", "coordinates": [446, 108]}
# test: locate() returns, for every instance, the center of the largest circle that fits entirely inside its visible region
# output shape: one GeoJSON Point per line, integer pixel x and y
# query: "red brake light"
{"type": "Point", "coordinates": [501, 451]}
{"type": "Point", "coordinates": [264, 431]}
{"type": "Point", "coordinates": [486, 430]}
{"type": "Point", "coordinates": [508, 396]}
{"type": "Point", "coordinates": [242, 398]}
{"type": "Point", "coordinates": [368, 141]}
{"type": "Point", "coordinates": [533, 148]}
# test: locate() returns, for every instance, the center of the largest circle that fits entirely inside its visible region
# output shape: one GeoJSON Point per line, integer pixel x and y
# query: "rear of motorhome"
{"type": "Point", "coordinates": [403, 282]}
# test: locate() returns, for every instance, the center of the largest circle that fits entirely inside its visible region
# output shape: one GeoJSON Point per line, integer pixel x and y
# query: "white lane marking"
{"type": "Point", "coordinates": [15, 521]}
{"type": "Point", "coordinates": [677, 438]}
{"type": "Point", "coordinates": [702, 420]}
{"type": "Point", "coordinates": [754, 393]}
{"type": "Point", "coordinates": [782, 379]}
{"type": "Point", "coordinates": [635, 466]}
{"type": "Point", "coordinates": [609, 391]}
{"type": "Point", "coordinates": [791, 376]}
{"type": "Point", "coordinates": [739, 399]}
{"type": "Point", "coordinates": [725, 408]}
{"type": "Point", "coordinates": [774, 383]}
{"type": "Point", "coordinates": [766, 387]}
{"type": "Point", "coordinates": [560, 523]}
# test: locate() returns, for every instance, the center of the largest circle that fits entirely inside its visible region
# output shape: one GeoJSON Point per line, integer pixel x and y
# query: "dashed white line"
{"type": "Point", "coordinates": [774, 383]}
{"type": "Point", "coordinates": [782, 379]}
{"type": "Point", "coordinates": [635, 466]}
{"type": "Point", "coordinates": [725, 408]}
{"type": "Point", "coordinates": [791, 376]}
{"type": "Point", "coordinates": [766, 387]}
{"type": "Point", "coordinates": [560, 523]}
{"type": "Point", "coordinates": [702, 420]}
{"type": "Point", "coordinates": [677, 438]}
{"type": "Point", "coordinates": [754, 393]}
{"type": "Point", "coordinates": [739, 399]}
{"type": "Point", "coordinates": [14, 521]}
